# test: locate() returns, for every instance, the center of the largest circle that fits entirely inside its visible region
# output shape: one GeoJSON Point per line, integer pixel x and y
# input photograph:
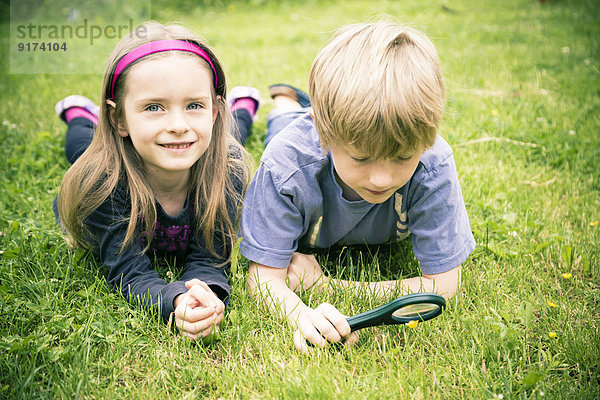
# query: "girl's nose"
{"type": "Point", "coordinates": [178, 123]}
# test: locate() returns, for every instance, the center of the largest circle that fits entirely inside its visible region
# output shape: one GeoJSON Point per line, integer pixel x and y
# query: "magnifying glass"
{"type": "Point", "coordinates": [412, 307]}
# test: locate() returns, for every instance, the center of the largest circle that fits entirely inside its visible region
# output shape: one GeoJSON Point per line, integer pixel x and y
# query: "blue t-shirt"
{"type": "Point", "coordinates": [294, 200]}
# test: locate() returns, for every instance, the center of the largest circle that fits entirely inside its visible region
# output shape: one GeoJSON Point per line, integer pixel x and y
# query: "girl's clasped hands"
{"type": "Point", "coordinates": [198, 312]}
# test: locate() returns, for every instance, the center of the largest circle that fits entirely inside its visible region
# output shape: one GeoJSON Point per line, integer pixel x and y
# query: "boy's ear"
{"type": "Point", "coordinates": [118, 125]}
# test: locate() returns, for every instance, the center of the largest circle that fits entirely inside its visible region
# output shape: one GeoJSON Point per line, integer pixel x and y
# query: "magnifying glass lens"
{"type": "Point", "coordinates": [415, 310]}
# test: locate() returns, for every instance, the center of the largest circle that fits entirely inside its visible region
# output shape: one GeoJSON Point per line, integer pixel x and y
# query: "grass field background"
{"type": "Point", "coordinates": [522, 115]}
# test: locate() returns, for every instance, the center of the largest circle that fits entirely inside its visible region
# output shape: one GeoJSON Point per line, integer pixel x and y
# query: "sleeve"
{"type": "Point", "coordinates": [129, 271]}
{"type": "Point", "coordinates": [271, 222]}
{"type": "Point", "coordinates": [438, 220]}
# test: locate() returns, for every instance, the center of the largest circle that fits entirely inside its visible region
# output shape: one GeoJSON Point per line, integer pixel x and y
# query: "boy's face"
{"type": "Point", "coordinates": [370, 179]}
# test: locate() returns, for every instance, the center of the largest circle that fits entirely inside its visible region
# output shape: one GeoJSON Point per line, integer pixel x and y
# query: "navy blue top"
{"type": "Point", "coordinates": [174, 240]}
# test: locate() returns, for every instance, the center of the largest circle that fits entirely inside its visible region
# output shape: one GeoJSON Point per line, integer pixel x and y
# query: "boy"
{"type": "Point", "coordinates": [365, 166]}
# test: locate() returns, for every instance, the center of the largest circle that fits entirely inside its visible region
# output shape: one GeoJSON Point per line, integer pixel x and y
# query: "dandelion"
{"type": "Point", "coordinates": [324, 285]}
{"type": "Point", "coordinates": [412, 324]}
{"type": "Point", "coordinates": [567, 275]}
{"type": "Point", "coordinates": [552, 335]}
{"type": "Point", "coordinates": [494, 112]}
{"type": "Point", "coordinates": [551, 304]}
{"type": "Point", "coordinates": [594, 223]}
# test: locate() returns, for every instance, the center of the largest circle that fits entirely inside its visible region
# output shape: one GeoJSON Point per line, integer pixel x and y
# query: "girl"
{"type": "Point", "coordinates": [163, 175]}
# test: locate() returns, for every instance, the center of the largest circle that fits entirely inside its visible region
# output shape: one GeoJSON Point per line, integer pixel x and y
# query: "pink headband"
{"type": "Point", "coordinates": [157, 47]}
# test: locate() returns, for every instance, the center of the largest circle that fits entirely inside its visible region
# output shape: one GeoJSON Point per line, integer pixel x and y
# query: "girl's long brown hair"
{"type": "Point", "coordinates": [111, 160]}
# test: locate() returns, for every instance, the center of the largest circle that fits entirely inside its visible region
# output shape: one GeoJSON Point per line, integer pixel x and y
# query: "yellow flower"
{"type": "Point", "coordinates": [412, 324]}
{"type": "Point", "coordinates": [567, 275]}
{"type": "Point", "coordinates": [594, 223]}
{"type": "Point", "coordinates": [552, 335]}
{"type": "Point", "coordinates": [551, 304]}
{"type": "Point", "coordinates": [324, 285]}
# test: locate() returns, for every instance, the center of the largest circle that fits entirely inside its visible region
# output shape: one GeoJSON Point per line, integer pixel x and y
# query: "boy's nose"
{"type": "Point", "coordinates": [381, 176]}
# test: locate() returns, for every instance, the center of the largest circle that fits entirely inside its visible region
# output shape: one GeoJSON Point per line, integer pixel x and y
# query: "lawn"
{"type": "Point", "coordinates": [522, 116]}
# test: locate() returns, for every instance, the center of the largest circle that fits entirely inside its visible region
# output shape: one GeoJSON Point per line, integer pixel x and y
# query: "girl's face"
{"type": "Point", "coordinates": [169, 112]}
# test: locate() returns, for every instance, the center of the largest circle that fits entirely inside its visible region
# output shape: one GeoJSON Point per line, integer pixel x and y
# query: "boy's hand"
{"type": "Point", "coordinates": [199, 311]}
{"type": "Point", "coordinates": [304, 271]}
{"type": "Point", "coordinates": [320, 326]}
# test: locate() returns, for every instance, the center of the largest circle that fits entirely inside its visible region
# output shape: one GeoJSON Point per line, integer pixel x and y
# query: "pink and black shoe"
{"type": "Point", "coordinates": [76, 106]}
{"type": "Point", "coordinates": [245, 97]}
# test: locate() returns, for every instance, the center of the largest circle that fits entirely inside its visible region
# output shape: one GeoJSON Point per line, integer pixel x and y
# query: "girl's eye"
{"type": "Point", "coordinates": [152, 108]}
{"type": "Point", "coordinates": [195, 106]}
{"type": "Point", "coordinates": [360, 159]}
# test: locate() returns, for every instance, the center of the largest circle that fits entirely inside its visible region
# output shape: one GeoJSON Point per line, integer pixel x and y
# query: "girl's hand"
{"type": "Point", "coordinates": [321, 326]}
{"type": "Point", "coordinates": [304, 272]}
{"type": "Point", "coordinates": [199, 311]}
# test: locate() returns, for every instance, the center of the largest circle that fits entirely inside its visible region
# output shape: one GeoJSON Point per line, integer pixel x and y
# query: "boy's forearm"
{"type": "Point", "coordinates": [445, 284]}
{"type": "Point", "coordinates": [268, 285]}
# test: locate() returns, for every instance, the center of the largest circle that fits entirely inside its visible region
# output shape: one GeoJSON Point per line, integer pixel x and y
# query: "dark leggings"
{"type": "Point", "coordinates": [80, 132]}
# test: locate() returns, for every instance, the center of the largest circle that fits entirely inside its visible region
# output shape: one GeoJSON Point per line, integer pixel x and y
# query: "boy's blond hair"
{"type": "Point", "coordinates": [378, 87]}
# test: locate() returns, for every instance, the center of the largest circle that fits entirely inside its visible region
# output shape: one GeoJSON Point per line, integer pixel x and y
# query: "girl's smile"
{"type": "Point", "coordinates": [177, 147]}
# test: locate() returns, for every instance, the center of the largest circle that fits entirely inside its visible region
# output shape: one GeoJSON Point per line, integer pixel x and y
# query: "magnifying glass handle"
{"type": "Point", "coordinates": [363, 320]}
{"type": "Point", "coordinates": [377, 316]}
{"type": "Point", "coordinates": [359, 321]}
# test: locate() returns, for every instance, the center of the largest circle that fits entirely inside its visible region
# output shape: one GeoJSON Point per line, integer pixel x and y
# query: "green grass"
{"type": "Point", "coordinates": [522, 115]}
